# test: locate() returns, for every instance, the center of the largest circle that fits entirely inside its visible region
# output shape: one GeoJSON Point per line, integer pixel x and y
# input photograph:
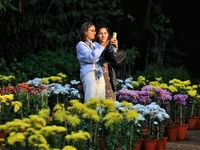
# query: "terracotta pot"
{"type": "Point", "coordinates": [138, 145]}
{"type": "Point", "coordinates": [101, 143]}
{"type": "Point", "coordinates": [192, 123]}
{"type": "Point", "coordinates": [149, 144]}
{"type": "Point", "coordinates": [198, 123]}
{"type": "Point", "coordinates": [172, 132]}
{"type": "Point", "coordinates": [2, 135]}
{"type": "Point", "coordinates": [162, 143]}
{"type": "Point", "coordinates": [182, 131]}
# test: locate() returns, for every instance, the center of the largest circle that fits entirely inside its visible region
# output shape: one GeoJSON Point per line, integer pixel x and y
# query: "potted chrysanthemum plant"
{"type": "Point", "coordinates": [180, 101]}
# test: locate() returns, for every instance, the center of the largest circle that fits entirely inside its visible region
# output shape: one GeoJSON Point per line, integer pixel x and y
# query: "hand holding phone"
{"type": "Point", "coordinates": [114, 40]}
{"type": "Point", "coordinates": [115, 34]}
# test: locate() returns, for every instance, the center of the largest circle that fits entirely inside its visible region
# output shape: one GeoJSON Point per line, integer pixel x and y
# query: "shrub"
{"type": "Point", "coordinates": [167, 74]}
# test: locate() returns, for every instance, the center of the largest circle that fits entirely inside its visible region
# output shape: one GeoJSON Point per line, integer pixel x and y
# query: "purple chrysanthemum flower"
{"type": "Point", "coordinates": [144, 97]}
{"type": "Point", "coordinates": [127, 95]}
{"type": "Point", "coordinates": [180, 99]}
{"type": "Point", "coordinates": [134, 96]}
{"type": "Point", "coordinates": [147, 88]}
{"type": "Point", "coordinates": [162, 95]}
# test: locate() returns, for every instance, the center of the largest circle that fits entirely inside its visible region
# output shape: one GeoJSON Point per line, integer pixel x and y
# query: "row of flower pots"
{"type": "Point", "coordinates": [177, 132]}
{"type": "Point", "coordinates": [144, 144]}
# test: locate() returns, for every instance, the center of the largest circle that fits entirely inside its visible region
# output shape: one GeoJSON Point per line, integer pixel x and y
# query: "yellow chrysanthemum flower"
{"type": "Point", "coordinates": [164, 86]}
{"type": "Point", "coordinates": [14, 125]}
{"type": "Point", "coordinates": [2, 139]}
{"type": "Point", "coordinates": [56, 79]}
{"type": "Point", "coordinates": [75, 137]}
{"type": "Point", "coordinates": [17, 105]}
{"type": "Point", "coordinates": [77, 106]}
{"type": "Point", "coordinates": [141, 78]}
{"type": "Point", "coordinates": [158, 79]}
{"type": "Point", "coordinates": [175, 81]}
{"type": "Point", "coordinates": [192, 93]}
{"type": "Point", "coordinates": [6, 98]}
{"type": "Point", "coordinates": [135, 83]}
{"type": "Point", "coordinates": [45, 80]}
{"type": "Point", "coordinates": [91, 114]}
{"type": "Point", "coordinates": [27, 120]}
{"type": "Point", "coordinates": [58, 106]}
{"type": "Point", "coordinates": [7, 78]}
{"type": "Point", "coordinates": [126, 104]}
{"type": "Point", "coordinates": [62, 75]}
{"type": "Point", "coordinates": [43, 146]}
{"type": "Point", "coordinates": [37, 121]}
{"type": "Point", "coordinates": [69, 148]}
{"type": "Point", "coordinates": [94, 102]}
{"type": "Point", "coordinates": [73, 120]}
{"type": "Point", "coordinates": [59, 115]}
{"type": "Point", "coordinates": [187, 82]}
{"type": "Point", "coordinates": [198, 97]}
{"type": "Point", "coordinates": [109, 104]}
{"type": "Point", "coordinates": [131, 115]}
{"type": "Point", "coordinates": [36, 139]}
{"type": "Point", "coordinates": [44, 113]}
{"type": "Point", "coordinates": [15, 137]}
{"type": "Point", "coordinates": [9, 97]}
{"type": "Point", "coordinates": [154, 84]}
{"type": "Point", "coordinates": [195, 86]}
{"type": "Point", "coordinates": [172, 89]}
{"type": "Point", "coordinates": [112, 118]}
{"type": "Point", "coordinates": [52, 130]}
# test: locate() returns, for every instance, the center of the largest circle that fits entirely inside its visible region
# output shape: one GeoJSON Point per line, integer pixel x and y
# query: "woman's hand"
{"type": "Point", "coordinates": [114, 41]}
{"type": "Point", "coordinates": [105, 44]}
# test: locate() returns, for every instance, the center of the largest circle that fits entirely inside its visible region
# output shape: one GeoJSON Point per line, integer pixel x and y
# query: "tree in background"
{"type": "Point", "coordinates": [30, 26]}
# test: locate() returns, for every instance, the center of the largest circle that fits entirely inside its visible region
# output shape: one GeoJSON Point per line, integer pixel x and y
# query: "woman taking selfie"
{"type": "Point", "coordinates": [103, 36]}
{"type": "Point", "coordinates": [91, 64]}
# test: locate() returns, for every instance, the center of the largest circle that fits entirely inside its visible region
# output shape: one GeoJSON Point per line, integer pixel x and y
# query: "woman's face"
{"type": "Point", "coordinates": [103, 35]}
{"type": "Point", "coordinates": [90, 33]}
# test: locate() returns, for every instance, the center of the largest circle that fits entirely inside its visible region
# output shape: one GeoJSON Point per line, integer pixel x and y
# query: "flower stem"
{"type": "Point", "coordinates": [181, 115]}
{"type": "Point", "coordinates": [192, 111]}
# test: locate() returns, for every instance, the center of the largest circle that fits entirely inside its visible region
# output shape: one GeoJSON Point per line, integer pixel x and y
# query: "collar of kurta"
{"type": "Point", "coordinates": [90, 44]}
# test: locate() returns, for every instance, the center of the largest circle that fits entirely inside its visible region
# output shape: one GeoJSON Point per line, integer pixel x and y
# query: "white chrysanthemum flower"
{"type": "Point", "coordinates": [35, 82]}
{"type": "Point", "coordinates": [74, 82]}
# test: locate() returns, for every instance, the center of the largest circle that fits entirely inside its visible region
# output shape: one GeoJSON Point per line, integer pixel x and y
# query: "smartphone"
{"type": "Point", "coordinates": [115, 34]}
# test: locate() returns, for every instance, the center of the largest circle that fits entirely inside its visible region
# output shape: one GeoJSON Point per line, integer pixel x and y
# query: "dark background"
{"type": "Point", "coordinates": [184, 17]}
{"type": "Point", "coordinates": [38, 26]}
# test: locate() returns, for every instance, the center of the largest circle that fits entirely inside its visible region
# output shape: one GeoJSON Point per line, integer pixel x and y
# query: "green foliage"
{"type": "Point", "coordinates": [43, 64]}
{"type": "Point", "coordinates": [127, 66]}
{"type": "Point", "coordinates": [8, 4]}
{"type": "Point", "coordinates": [48, 24]}
{"type": "Point", "coordinates": [53, 25]}
{"type": "Point", "coordinates": [167, 74]}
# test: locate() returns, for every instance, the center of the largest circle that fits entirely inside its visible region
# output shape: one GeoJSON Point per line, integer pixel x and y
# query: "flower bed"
{"type": "Point", "coordinates": [50, 112]}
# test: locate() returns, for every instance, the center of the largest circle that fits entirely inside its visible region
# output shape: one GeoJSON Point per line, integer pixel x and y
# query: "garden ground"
{"type": "Point", "coordinates": [192, 142]}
